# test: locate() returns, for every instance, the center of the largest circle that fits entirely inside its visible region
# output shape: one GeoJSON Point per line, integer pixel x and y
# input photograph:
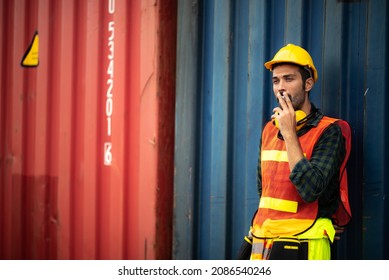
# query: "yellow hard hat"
{"type": "Point", "coordinates": [293, 54]}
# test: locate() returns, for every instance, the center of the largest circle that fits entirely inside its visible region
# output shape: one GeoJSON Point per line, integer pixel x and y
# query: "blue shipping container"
{"type": "Point", "coordinates": [224, 96]}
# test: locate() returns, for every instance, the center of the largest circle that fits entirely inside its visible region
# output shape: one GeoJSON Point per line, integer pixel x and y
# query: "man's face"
{"type": "Point", "coordinates": [287, 79]}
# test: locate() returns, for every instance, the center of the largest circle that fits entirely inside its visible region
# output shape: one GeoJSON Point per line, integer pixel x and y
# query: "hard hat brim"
{"type": "Point", "coordinates": [269, 65]}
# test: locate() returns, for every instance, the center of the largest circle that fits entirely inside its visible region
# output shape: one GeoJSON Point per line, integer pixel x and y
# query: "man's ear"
{"type": "Point", "coordinates": [309, 84]}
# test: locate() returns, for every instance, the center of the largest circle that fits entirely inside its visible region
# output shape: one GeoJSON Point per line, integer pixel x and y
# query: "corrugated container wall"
{"type": "Point", "coordinates": [224, 97]}
{"type": "Point", "coordinates": [87, 129]}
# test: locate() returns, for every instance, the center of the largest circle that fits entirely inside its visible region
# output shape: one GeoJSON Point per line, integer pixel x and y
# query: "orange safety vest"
{"type": "Point", "coordinates": [281, 210]}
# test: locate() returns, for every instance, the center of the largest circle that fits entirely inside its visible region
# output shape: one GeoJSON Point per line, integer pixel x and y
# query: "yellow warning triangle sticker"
{"type": "Point", "coordinates": [31, 57]}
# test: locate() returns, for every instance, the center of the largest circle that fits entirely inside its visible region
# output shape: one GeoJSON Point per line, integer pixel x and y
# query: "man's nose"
{"type": "Point", "coordinates": [281, 86]}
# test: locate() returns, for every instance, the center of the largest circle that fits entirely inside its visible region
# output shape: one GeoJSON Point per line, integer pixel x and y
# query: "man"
{"type": "Point", "coordinates": [302, 180]}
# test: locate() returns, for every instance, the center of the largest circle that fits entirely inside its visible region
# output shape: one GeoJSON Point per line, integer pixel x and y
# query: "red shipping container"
{"type": "Point", "coordinates": [87, 129]}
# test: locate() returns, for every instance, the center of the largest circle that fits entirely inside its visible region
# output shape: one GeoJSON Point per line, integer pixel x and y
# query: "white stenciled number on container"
{"type": "Point", "coordinates": [110, 84]}
{"type": "Point", "coordinates": [109, 96]}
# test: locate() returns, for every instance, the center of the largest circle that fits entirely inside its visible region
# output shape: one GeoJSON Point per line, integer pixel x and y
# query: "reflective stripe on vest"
{"type": "Point", "coordinates": [278, 204]}
{"type": "Point", "coordinates": [274, 155]}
